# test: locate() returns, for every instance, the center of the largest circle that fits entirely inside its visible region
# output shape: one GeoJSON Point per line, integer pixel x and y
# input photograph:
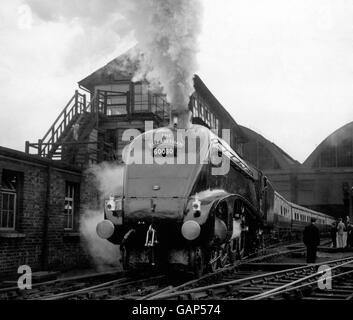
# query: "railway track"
{"type": "Point", "coordinates": [227, 273]}
{"type": "Point", "coordinates": [57, 285]}
{"type": "Point", "coordinates": [337, 285]}
{"type": "Point", "coordinates": [120, 285]}
{"type": "Point", "coordinates": [294, 283]}
{"type": "Point", "coordinates": [113, 290]}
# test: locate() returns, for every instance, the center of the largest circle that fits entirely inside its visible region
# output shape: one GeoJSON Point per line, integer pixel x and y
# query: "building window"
{"type": "Point", "coordinates": [70, 205]}
{"type": "Point", "coordinates": [9, 196]}
{"type": "Point", "coordinates": [141, 97]}
{"type": "Point", "coordinates": [195, 110]}
{"type": "Point", "coordinates": [112, 98]}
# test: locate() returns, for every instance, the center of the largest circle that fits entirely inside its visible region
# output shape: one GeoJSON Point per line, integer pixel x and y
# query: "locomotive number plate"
{"type": "Point", "coordinates": [164, 152]}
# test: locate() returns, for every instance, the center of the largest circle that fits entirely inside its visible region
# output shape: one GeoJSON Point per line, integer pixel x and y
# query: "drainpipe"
{"type": "Point", "coordinates": [45, 244]}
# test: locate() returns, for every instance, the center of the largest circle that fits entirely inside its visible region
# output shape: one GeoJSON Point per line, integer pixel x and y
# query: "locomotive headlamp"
{"type": "Point", "coordinates": [190, 230]}
{"type": "Point", "coordinates": [196, 205]}
{"type": "Point", "coordinates": [105, 229]}
{"type": "Point", "coordinates": [113, 204]}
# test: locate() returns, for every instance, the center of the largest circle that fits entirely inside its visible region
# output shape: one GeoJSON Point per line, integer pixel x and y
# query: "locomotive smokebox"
{"type": "Point", "coordinates": [181, 119]}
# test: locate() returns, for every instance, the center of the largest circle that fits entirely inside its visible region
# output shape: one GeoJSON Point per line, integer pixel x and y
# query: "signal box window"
{"type": "Point", "coordinates": [141, 97]}
{"type": "Point", "coordinates": [8, 197]}
{"type": "Point", "coordinates": [70, 207]}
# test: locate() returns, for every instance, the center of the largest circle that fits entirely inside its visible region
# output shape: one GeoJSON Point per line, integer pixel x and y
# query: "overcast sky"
{"type": "Point", "coordinates": [282, 68]}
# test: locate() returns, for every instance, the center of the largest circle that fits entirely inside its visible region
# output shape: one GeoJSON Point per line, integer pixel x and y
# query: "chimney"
{"type": "Point", "coordinates": [181, 119]}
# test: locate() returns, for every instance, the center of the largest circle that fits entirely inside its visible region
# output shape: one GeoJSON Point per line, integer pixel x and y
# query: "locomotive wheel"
{"type": "Point", "coordinates": [197, 261]}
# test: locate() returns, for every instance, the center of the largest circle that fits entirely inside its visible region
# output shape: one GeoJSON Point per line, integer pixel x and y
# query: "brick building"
{"type": "Point", "coordinates": [40, 202]}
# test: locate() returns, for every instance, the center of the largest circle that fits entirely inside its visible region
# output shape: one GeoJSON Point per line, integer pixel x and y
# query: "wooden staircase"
{"type": "Point", "coordinates": [76, 136]}
{"type": "Point", "coordinates": [59, 139]}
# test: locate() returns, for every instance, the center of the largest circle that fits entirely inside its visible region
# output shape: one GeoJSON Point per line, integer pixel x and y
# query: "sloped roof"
{"type": "Point", "coordinates": [284, 159]}
{"type": "Point", "coordinates": [122, 67]}
{"type": "Point", "coordinates": [200, 86]}
{"type": "Point", "coordinates": [333, 139]}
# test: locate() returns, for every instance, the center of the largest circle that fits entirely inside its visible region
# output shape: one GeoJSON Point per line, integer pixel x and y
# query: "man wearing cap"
{"type": "Point", "coordinates": [311, 237]}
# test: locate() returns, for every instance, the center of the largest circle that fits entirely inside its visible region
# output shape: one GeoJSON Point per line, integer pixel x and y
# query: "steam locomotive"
{"type": "Point", "coordinates": [190, 201]}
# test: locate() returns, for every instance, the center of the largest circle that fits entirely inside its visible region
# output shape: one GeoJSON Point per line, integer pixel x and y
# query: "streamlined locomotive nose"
{"type": "Point", "coordinates": [105, 229]}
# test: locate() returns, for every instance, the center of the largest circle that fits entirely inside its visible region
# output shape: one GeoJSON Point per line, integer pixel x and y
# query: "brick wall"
{"type": "Point", "coordinates": [39, 239]}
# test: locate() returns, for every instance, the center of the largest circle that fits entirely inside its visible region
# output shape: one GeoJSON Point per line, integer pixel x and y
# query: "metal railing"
{"type": "Point", "coordinates": [51, 140]}
{"type": "Point", "coordinates": [160, 106]}
{"type": "Point", "coordinates": [103, 102]}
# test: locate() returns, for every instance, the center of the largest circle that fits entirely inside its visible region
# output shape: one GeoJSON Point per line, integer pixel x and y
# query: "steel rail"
{"type": "Point", "coordinates": [220, 271]}
{"type": "Point", "coordinates": [312, 283]}
{"type": "Point", "coordinates": [80, 291]}
{"type": "Point", "coordinates": [40, 288]}
{"type": "Point", "coordinates": [244, 280]}
{"type": "Point", "coordinates": [285, 288]}
{"type": "Point", "coordinates": [107, 285]}
{"type": "Point", "coordinates": [63, 280]}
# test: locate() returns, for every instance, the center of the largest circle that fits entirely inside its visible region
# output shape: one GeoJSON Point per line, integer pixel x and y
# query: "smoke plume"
{"type": "Point", "coordinates": [108, 177]}
{"type": "Point", "coordinates": [103, 253]}
{"type": "Point", "coordinates": [166, 32]}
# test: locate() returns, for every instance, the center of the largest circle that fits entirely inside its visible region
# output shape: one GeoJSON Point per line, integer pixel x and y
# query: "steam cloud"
{"type": "Point", "coordinates": [109, 180]}
{"type": "Point", "coordinates": [103, 253]}
{"type": "Point", "coordinates": [166, 32]}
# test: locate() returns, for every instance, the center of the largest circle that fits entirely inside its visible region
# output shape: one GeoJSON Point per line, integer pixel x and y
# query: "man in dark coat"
{"type": "Point", "coordinates": [311, 237]}
{"type": "Point", "coordinates": [349, 235]}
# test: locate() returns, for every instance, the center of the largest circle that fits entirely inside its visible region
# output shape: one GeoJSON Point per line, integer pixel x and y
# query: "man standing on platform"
{"type": "Point", "coordinates": [349, 235]}
{"type": "Point", "coordinates": [311, 239]}
{"type": "Point", "coordinates": [340, 233]}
